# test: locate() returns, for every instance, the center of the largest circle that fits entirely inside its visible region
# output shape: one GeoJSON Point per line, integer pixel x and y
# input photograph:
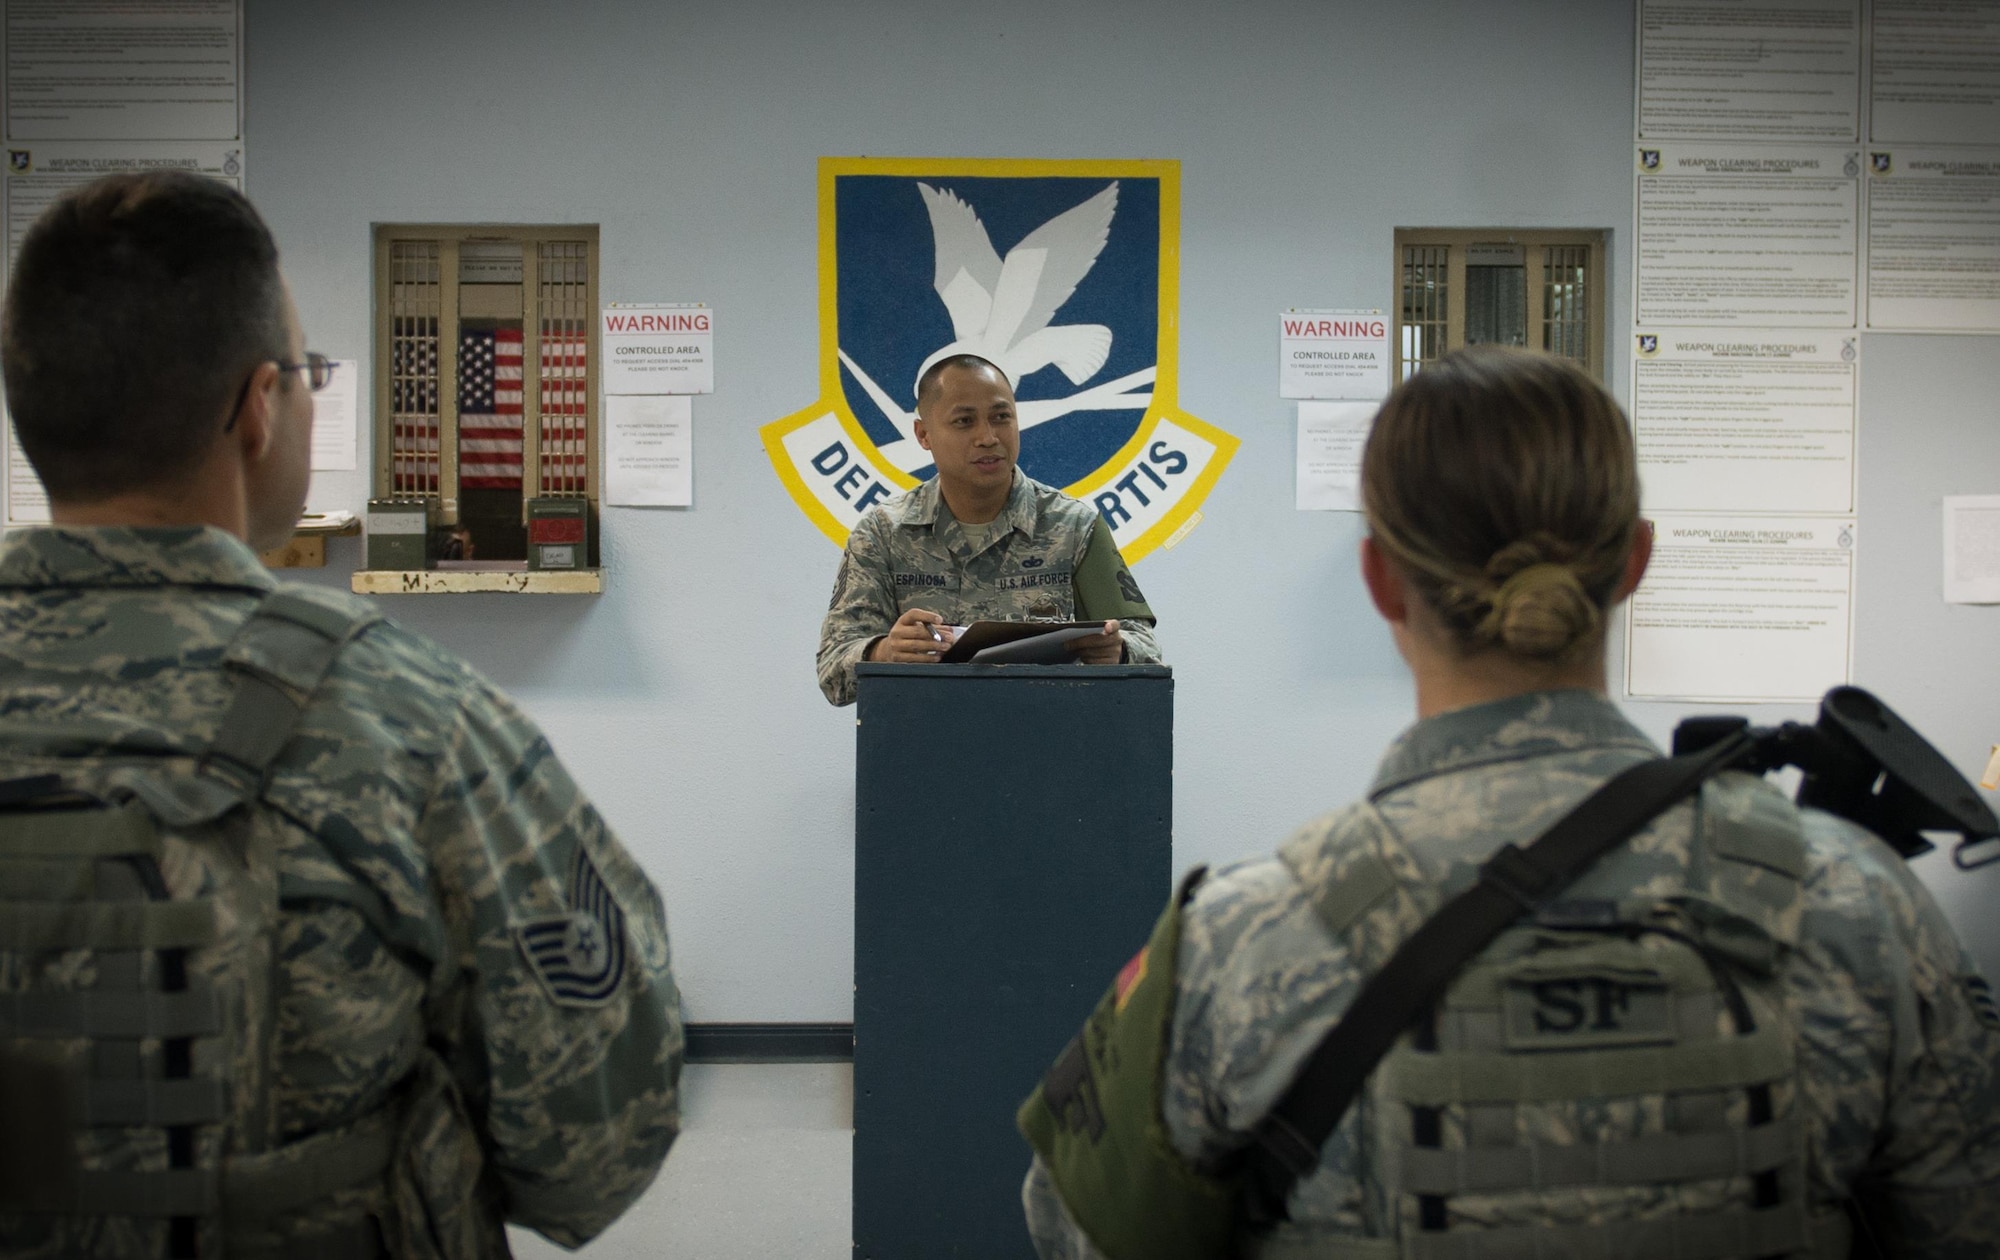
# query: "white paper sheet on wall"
{"type": "Point", "coordinates": [1787, 69]}
{"type": "Point", "coordinates": [1754, 235]}
{"type": "Point", "coordinates": [1934, 72]}
{"type": "Point", "coordinates": [1746, 420]}
{"type": "Point", "coordinates": [648, 450]}
{"type": "Point", "coordinates": [1934, 239]}
{"type": "Point", "coordinates": [1743, 610]}
{"type": "Point", "coordinates": [1331, 435]}
{"type": "Point", "coordinates": [337, 419]}
{"type": "Point", "coordinates": [27, 502]}
{"type": "Point", "coordinates": [1972, 549]}
{"type": "Point", "coordinates": [109, 71]}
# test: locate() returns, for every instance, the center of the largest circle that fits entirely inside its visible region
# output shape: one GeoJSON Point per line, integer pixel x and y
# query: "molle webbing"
{"type": "Point", "coordinates": [88, 878]}
{"type": "Point", "coordinates": [1740, 1234]}
{"type": "Point", "coordinates": [1512, 883]}
{"type": "Point", "coordinates": [78, 834]}
{"type": "Point", "coordinates": [1829, 1232]}
{"type": "Point", "coordinates": [253, 1187]}
{"type": "Point", "coordinates": [112, 1015]}
{"type": "Point", "coordinates": [140, 925]}
{"type": "Point", "coordinates": [1639, 1161]}
{"type": "Point", "coordinates": [1435, 1080]}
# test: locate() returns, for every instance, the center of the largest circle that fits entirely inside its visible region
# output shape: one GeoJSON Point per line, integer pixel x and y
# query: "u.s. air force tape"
{"type": "Point", "coordinates": [579, 957]}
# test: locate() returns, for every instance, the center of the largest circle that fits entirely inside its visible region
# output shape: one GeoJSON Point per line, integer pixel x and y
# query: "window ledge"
{"type": "Point", "coordinates": [438, 582]}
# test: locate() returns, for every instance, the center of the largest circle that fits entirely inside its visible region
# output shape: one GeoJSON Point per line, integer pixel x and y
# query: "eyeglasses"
{"type": "Point", "coordinates": [317, 367]}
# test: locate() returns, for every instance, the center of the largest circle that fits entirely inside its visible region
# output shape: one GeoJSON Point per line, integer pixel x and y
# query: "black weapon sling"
{"type": "Point", "coordinates": [1512, 883]}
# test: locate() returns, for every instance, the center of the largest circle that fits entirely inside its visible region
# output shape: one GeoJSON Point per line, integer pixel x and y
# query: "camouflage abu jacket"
{"type": "Point", "coordinates": [432, 836]}
{"type": "Point", "coordinates": [1898, 1040]}
{"type": "Point", "coordinates": [911, 553]}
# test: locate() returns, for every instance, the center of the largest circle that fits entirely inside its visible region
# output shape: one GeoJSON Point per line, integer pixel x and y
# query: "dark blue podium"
{"type": "Point", "coordinates": [1013, 843]}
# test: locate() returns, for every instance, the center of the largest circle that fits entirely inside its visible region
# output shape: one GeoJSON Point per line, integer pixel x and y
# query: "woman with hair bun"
{"type": "Point", "coordinates": [1745, 1032]}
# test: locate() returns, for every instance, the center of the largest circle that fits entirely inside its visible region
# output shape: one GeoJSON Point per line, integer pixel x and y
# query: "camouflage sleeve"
{"type": "Point", "coordinates": [1249, 940]}
{"type": "Point", "coordinates": [1261, 982]}
{"type": "Point", "coordinates": [861, 611]}
{"type": "Point", "coordinates": [1106, 589]}
{"type": "Point", "coordinates": [1928, 1172]}
{"type": "Point", "coordinates": [1055, 1235]}
{"type": "Point", "coordinates": [1141, 648]}
{"type": "Point", "coordinates": [568, 1043]}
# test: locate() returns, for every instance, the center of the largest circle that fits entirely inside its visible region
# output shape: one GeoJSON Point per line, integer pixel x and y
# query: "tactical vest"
{"type": "Point", "coordinates": [139, 900]}
{"type": "Point", "coordinates": [1614, 1078]}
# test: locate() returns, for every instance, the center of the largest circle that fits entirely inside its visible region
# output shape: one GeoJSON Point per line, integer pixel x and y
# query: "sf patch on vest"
{"type": "Point", "coordinates": [579, 957]}
{"type": "Point", "coordinates": [1096, 1121]}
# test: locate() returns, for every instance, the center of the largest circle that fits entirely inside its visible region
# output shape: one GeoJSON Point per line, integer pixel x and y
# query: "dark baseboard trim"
{"type": "Point", "coordinates": [770, 1043]}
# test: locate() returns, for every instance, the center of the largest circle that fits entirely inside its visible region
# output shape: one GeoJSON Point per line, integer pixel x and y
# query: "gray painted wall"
{"type": "Point", "coordinates": [683, 698]}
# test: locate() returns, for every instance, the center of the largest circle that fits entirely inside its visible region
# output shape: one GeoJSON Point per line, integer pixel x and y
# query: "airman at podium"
{"type": "Point", "coordinates": [980, 541]}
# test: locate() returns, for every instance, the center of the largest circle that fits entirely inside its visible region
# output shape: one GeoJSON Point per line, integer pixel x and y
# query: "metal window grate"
{"type": "Point", "coordinates": [1425, 305]}
{"type": "Point", "coordinates": [1566, 301]}
{"type": "Point", "coordinates": [414, 304]}
{"type": "Point", "coordinates": [561, 302]}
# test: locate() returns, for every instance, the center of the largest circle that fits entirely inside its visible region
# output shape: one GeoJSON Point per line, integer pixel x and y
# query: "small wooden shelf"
{"type": "Point", "coordinates": [307, 549]}
{"type": "Point", "coordinates": [444, 582]}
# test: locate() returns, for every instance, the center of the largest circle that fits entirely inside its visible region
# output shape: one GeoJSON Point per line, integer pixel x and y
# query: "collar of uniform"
{"type": "Point", "coordinates": [117, 555]}
{"type": "Point", "coordinates": [920, 507]}
{"type": "Point", "coordinates": [1539, 724]}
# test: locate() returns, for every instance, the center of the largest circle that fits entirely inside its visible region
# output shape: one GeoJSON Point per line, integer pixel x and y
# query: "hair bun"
{"type": "Point", "coordinates": [1541, 611]}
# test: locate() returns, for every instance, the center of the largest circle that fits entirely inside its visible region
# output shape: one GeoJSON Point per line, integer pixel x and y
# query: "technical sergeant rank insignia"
{"type": "Point", "coordinates": [579, 957]}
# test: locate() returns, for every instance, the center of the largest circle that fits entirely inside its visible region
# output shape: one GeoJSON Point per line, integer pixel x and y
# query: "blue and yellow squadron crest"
{"type": "Point", "coordinates": [1064, 273]}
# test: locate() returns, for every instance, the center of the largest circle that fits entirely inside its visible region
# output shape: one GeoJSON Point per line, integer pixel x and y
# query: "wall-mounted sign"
{"type": "Point", "coordinates": [1333, 354]}
{"type": "Point", "coordinates": [1063, 273]}
{"type": "Point", "coordinates": [658, 349]}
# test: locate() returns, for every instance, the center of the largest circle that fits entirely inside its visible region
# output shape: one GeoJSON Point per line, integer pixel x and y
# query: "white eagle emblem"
{"type": "Point", "coordinates": [1001, 310]}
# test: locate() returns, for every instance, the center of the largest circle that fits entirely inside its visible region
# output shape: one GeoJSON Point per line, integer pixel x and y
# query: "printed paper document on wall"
{"type": "Point", "coordinates": [1782, 69]}
{"type": "Point", "coordinates": [1934, 239]}
{"type": "Point", "coordinates": [1746, 420]}
{"type": "Point", "coordinates": [1331, 435]}
{"type": "Point", "coordinates": [1972, 549]}
{"type": "Point", "coordinates": [1737, 610]}
{"type": "Point", "coordinates": [1761, 236]}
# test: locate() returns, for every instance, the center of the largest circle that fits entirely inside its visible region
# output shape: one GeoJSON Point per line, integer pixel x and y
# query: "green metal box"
{"type": "Point", "coordinates": [399, 533]}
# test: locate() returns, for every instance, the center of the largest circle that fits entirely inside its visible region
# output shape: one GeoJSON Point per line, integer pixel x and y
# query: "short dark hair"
{"type": "Point", "coordinates": [927, 384]}
{"type": "Point", "coordinates": [137, 307]}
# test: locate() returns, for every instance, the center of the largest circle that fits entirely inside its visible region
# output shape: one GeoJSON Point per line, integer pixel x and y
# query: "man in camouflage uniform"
{"type": "Point", "coordinates": [464, 954]}
{"type": "Point", "coordinates": [980, 541]}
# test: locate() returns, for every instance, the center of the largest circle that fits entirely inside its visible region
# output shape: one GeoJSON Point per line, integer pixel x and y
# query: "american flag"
{"type": "Point", "coordinates": [565, 458]}
{"type": "Point", "coordinates": [416, 407]}
{"type": "Point", "coordinates": [489, 410]}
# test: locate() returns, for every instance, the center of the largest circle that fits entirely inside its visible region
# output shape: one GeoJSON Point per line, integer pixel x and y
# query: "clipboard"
{"type": "Point", "coordinates": [1018, 642]}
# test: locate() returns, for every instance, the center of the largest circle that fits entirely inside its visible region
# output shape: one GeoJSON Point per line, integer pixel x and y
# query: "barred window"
{"type": "Point", "coordinates": [1468, 287]}
{"type": "Point", "coordinates": [486, 388]}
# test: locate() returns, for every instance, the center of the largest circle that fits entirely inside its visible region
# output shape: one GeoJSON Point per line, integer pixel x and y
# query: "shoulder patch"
{"type": "Point", "coordinates": [579, 957]}
{"type": "Point", "coordinates": [1129, 977]}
